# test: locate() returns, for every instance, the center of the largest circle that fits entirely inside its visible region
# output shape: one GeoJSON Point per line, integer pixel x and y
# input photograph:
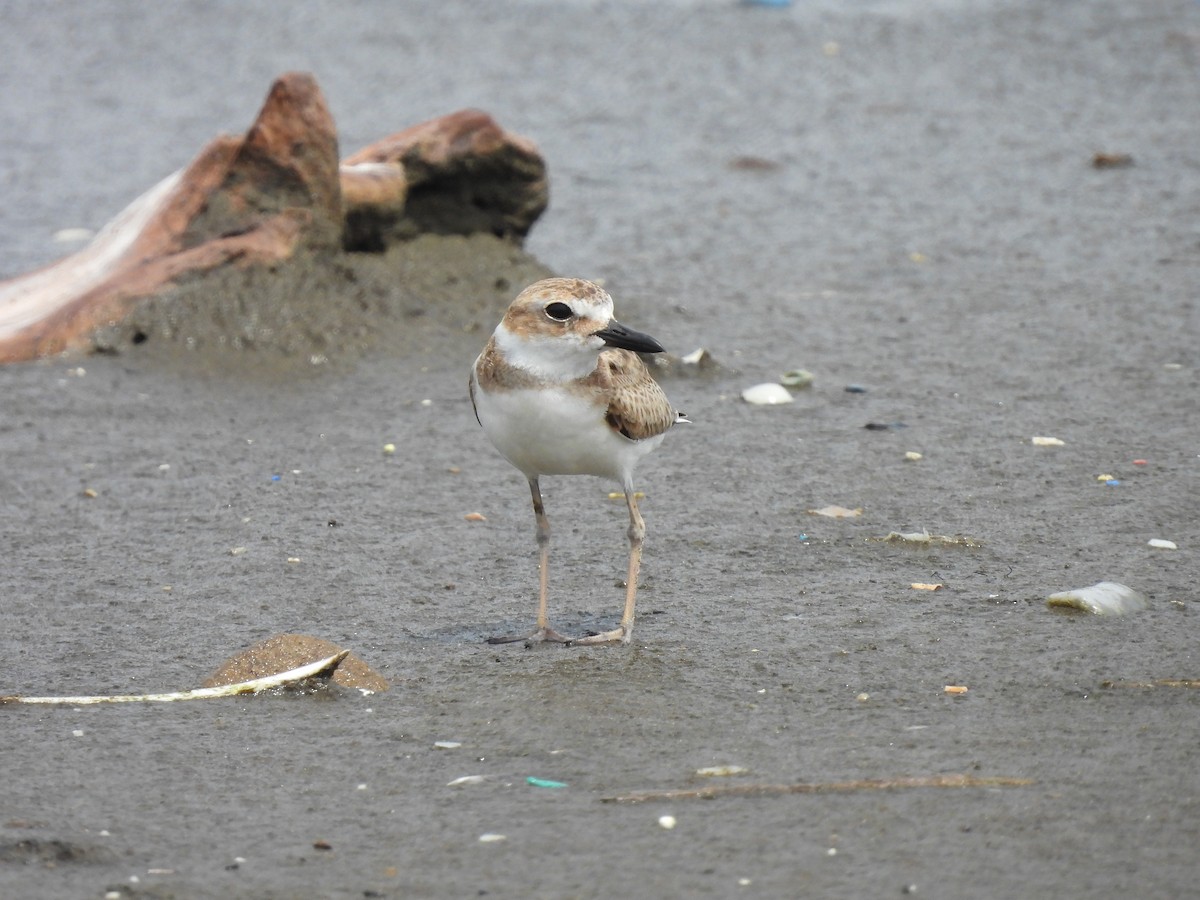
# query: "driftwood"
{"type": "Point", "coordinates": [257, 199]}
{"type": "Point", "coordinates": [822, 787]}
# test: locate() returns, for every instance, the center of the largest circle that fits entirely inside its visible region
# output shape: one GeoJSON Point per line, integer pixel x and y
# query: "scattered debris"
{"type": "Point", "coordinates": [924, 538]}
{"type": "Point", "coordinates": [768, 394]}
{"type": "Point", "coordinates": [753, 164]}
{"type": "Point", "coordinates": [1111, 161]}
{"type": "Point", "coordinates": [821, 787]}
{"type": "Point", "coordinates": [544, 783]}
{"type": "Point", "coordinates": [1160, 682]}
{"type": "Point", "coordinates": [797, 378]}
{"type": "Point", "coordinates": [837, 512]}
{"type": "Point", "coordinates": [1106, 598]}
{"type": "Point", "coordinates": [321, 669]}
{"type": "Point", "coordinates": [721, 771]}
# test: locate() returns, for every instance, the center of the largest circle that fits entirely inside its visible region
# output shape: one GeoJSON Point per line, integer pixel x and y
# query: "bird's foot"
{"type": "Point", "coordinates": [620, 635]}
{"type": "Point", "coordinates": [537, 636]}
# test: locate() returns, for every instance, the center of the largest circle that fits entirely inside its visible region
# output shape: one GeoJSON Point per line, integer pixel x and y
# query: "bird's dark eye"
{"type": "Point", "coordinates": [559, 312]}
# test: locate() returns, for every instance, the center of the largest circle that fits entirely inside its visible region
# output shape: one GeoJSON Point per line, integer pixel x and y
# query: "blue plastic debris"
{"type": "Point", "coordinates": [544, 783]}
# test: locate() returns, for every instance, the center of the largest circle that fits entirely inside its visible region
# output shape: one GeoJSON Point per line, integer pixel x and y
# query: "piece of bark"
{"type": "Point", "coordinates": [458, 174]}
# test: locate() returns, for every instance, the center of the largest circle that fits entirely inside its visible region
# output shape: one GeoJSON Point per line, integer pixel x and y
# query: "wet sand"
{"type": "Point", "coordinates": [895, 195]}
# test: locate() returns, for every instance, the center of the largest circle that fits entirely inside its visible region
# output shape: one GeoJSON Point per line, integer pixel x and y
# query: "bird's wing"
{"type": "Point", "coordinates": [637, 407]}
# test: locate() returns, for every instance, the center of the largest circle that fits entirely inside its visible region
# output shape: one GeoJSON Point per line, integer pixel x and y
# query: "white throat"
{"type": "Point", "coordinates": [558, 358]}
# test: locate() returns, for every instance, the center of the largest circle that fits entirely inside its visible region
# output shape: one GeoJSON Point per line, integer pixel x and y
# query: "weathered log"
{"type": "Point", "coordinates": [257, 199]}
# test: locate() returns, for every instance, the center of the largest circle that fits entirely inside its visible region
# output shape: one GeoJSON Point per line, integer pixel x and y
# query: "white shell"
{"type": "Point", "coordinates": [1160, 544]}
{"type": "Point", "coordinates": [1107, 598]}
{"type": "Point", "coordinates": [767, 394]}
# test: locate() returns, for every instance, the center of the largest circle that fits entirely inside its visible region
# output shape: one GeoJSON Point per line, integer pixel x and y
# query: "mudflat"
{"type": "Point", "coordinates": [900, 197]}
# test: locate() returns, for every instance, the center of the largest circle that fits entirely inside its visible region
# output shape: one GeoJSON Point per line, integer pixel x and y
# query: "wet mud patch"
{"type": "Point", "coordinates": [50, 853]}
{"type": "Point", "coordinates": [325, 310]}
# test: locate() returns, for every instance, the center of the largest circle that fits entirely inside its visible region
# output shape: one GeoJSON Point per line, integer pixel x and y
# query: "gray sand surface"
{"type": "Point", "coordinates": [895, 194]}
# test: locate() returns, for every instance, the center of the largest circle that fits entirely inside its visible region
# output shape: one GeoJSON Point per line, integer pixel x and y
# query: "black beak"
{"type": "Point", "coordinates": [617, 335]}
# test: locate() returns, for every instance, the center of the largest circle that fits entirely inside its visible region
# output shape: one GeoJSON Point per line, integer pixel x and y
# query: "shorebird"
{"type": "Point", "coordinates": [559, 390]}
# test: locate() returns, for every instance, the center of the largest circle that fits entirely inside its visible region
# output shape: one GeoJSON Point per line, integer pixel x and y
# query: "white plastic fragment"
{"type": "Point", "coordinates": [1106, 598]}
{"type": "Point", "coordinates": [1160, 544]}
{"type": "Point", "coordinates": [447, 745]}
{"type": "Point", "coordinates": [465, 779]}
{"type": "Point", "coordinates": [492, 838]}
{"type": "Point", "coordinates": [667, 822]}
{"type": "Point", "coordinates": [1048, 442]}
{"type": "Point", "coordinates": [768, 394]}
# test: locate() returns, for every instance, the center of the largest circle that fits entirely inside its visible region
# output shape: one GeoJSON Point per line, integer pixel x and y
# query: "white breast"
{"type": "Point", "coordinates": [552, 431]}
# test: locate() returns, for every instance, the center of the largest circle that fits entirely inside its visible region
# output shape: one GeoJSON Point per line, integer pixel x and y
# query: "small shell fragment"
{"type": "Point", "coordinates": [955, 689]}
{"type": "Point", "coordinates": [447, 745]}
{"type": "Point", "coordinates": [922, 586]}
{"type": "Point", "coordinates": [837, 512]}
{"type": "Point", "coordinates": [797, 378]}
{"type": "Point", "coordinates": [913, 456]}
{"type": "Point", "coordinates": [767, 395]}
{"type": "Point", "coordinates": [721, 771]}
{"type": "Point", "coordinates": [492, 838]}
{"type": "Point", "coordinates": [1161, 544]}
{"type": "Point", "coordinates": [1106, 598]}
{"type": "Point", "coordinates": [1048, 442]}
{"type": "Point", "coordinates": [475, 517]}
{"type": "Point", "coordinates": [465, 779]}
